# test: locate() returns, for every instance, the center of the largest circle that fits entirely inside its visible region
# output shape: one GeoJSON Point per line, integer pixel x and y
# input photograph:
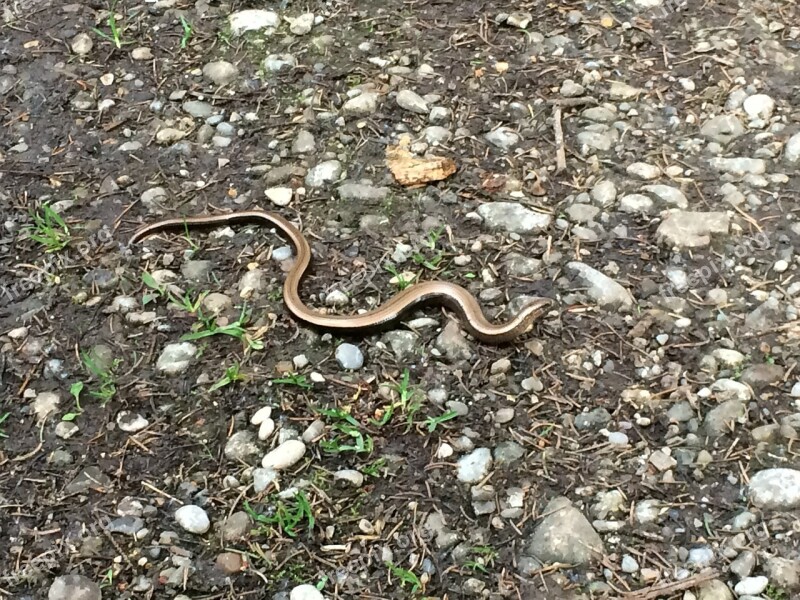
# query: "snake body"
{"type": "Point", "coordinates": [449, 294]}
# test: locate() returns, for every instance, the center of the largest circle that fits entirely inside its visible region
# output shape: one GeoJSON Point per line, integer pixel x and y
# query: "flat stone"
{"type": "Point", "coordinates": [564, 536]}
{"type": "Point", "coordinates": [687, 229]}
{"type": "Point", "coordinates": [475, 466]}
{"type": "Point", "coordinates": [253, 20]}
{"type": "Point", "coordinates": [601, 288]}
{"type": "Point", "coordinates": [412, 101]}
{"type": "Point", "coordinates": [513, 217]}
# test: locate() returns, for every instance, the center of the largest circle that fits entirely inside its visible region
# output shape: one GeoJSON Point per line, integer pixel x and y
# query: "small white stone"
{"type": "Point", "coordinates": [279, 196]}
{"type": "Point", "coordinates": [193, 519]}
{"type": "Point", "coordinates": [445, 451]}
{"type": "Point", "coordinates": [300, 361]}
{"type": "Point", "coordinates": [284, 456]}
{"type": "Point", "coordinates": [751, 586]}
{"type": "Point", "coordinates": [780, 266]}
{"type": "Point", "coordinates": [305, 592]}
{"type": "Point", "coordinates": [349, 475]}
{"type": "Point", "coordinates": [266, 429]}
{"type": "Point", "coordinates": [261, 415]}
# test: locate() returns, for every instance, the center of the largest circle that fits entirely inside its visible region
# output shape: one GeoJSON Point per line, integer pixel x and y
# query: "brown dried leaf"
{"type": "Point", "coordinates": [410, 170]}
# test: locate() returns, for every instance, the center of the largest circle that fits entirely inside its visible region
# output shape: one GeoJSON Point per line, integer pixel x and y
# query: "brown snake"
{"type": "Point", "coordinates": [449, 294]}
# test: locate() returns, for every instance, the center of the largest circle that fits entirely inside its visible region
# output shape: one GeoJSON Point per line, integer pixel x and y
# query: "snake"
{"type": "Point", "coordinates": [449, 294]}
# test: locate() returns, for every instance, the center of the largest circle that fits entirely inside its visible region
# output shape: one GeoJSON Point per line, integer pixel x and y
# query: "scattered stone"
{"type": "Point", "coordinates": [759, 106]}
{"type": "Point", "coordinates": [564, 536]}
{"type": "Point", "coordinates": [722, 419]}
{"type": "Point", "coordinates": [193, 519]}
{"type": "Point", "coordinates": [363, 192]}
{"type": "Point", "coordinates": [305, 592]}
{"type": "Point", "coordinates": [74, 587]}
{"type": "Point", "coordinates": [601, 288]}
{"type": "Point", "coordinates": [176, 358]}
{"type": "Point", "coordinates": [279, 196]}
{"type": "Point", "coordinates": [644, 171]}
{"type": "Point", "coordinates": [220, 72]}
{"type": "Point", "coordinates": [284, 456]}
{"type": "Point", "coordinates": [349, 357]}
{"type": "Point", "coordinates": [240, 446]}
{"type": "Point", "coordinates": [253, 20]}
{"type": "Point", "coordinates": [361, 106]}
{"type": "Point", "coordinates": [687, 229]}
{"type": "Point", "coordinates": [503, 138]}
{"type": "Point", "coordinates": [751, 586]}
{"type": "Point", "coordinates": [302, 24]}
{"type": "Point", "coordinates": [131, 422]}
{"type": "Point", "coordinates": [740, 166]}
{"type": "Point", "coordinates": [475, 466]}
{"type": "Point", "coordinates": [323, 173]}
{"type": "Point", "coordinates": [411, 101]}
{"type": "Point", "coordinates": [791, 151]}
{"type": "Point", "coordinates": [82, 44]}
{"type": "Point", "coordinates": [776, 489]}
{"type": "Point", "coordinates": [513, 218]}
{"type": "Point", "coordinates": [723, 129]}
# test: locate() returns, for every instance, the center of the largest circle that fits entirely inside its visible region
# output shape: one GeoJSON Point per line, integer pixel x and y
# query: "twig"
{"type": "Point", "coordinates": [657, 591]}
{"type": "Point", "coordinates": [561, 155]}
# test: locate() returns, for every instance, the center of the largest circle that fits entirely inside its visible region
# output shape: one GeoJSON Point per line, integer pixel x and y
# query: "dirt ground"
{"type": "Point", "coordinates": [130, 374]}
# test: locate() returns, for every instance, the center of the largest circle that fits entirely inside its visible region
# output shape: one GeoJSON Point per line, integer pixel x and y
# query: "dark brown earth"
{"type": "Point", "coordinates": [584, 356]}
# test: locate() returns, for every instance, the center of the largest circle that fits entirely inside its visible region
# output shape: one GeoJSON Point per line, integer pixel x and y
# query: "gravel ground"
{"type": "Point", "coordinates": [169, 431]}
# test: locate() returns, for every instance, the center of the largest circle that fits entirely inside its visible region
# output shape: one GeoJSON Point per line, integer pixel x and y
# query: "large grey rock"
{"type": "Point", "coordinates": [564, 536]}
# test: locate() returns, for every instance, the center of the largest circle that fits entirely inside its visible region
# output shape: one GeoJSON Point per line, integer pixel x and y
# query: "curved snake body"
{"type": "Point", "coordinates": [451, 295]}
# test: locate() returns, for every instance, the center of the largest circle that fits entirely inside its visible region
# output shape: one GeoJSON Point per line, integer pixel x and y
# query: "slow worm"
{"type": "Point", "coordinates": [449, 294]}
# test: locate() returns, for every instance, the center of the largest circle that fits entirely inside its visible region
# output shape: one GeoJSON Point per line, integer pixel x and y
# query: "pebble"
{"type": "Point", "coordinates": [411, 101]}
{"type": "Point", "coordinates": [263, 478]}
{"type": "Point", "coordinates": [323, 173]}
{"type": "Point", "coordinates": [700, 557]}
{"type": "Point", "coordinates": [564, 535]}
{"type": "Point", "coordinates": [131, 422]}
{"type": "Point", "coordinates": [261, 415]}
{"type": "Point", "coordinates": [302, 24]}
{"type": "Point", "coordinates": [176, 358]}
{"type": "Point", "coordinates": [644, 171]}
{"type": "Point", "coordinates": [351, 476]}
{"type": "Point", "coordinates": [751, 586]}
{"type": "Point", "coordinates": [759, 106]}
{"type": "Point", "coordinates": [349, 357]}
{"type": "Point", "coordinates": [513, 218]}
{"type": "Point", "coordinates": [74, 587]}
{"type": "Point", "coordinates": [503, 138]}
{"type": "Point", "coordinates": [82, 44]}
{"type": "Point", "coordinates": [475, 466]}
{"type": "Point", "coordinates": [252, 20]}
{"type": "Point", "coordinates": [688, 229]}
{"type": "Point", "coordinates": [305, 592]}
{"type": "Point", "coordinates": [236, 527]}
{"type": "Point", "coordinates": [777, 489]}
{"type": "Point", "coordinates": [240, 446]}
{"type": "Point", "coordinates": [220, 72]}
{"type": "Point", "coordinates": [193, 519]}
{"type": "Point", "coordinates": [791, 151]}
{"type": "Point", "coordinates": [601, 288]}
{"type": "Point", "coordinates": [279, 196]}
{"type": "Point", "coordinates": [142, 53]}
{"type": "Point", "coordinates": [362, 105]}
{"type": "Point", "coordinates": [284, 456]}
